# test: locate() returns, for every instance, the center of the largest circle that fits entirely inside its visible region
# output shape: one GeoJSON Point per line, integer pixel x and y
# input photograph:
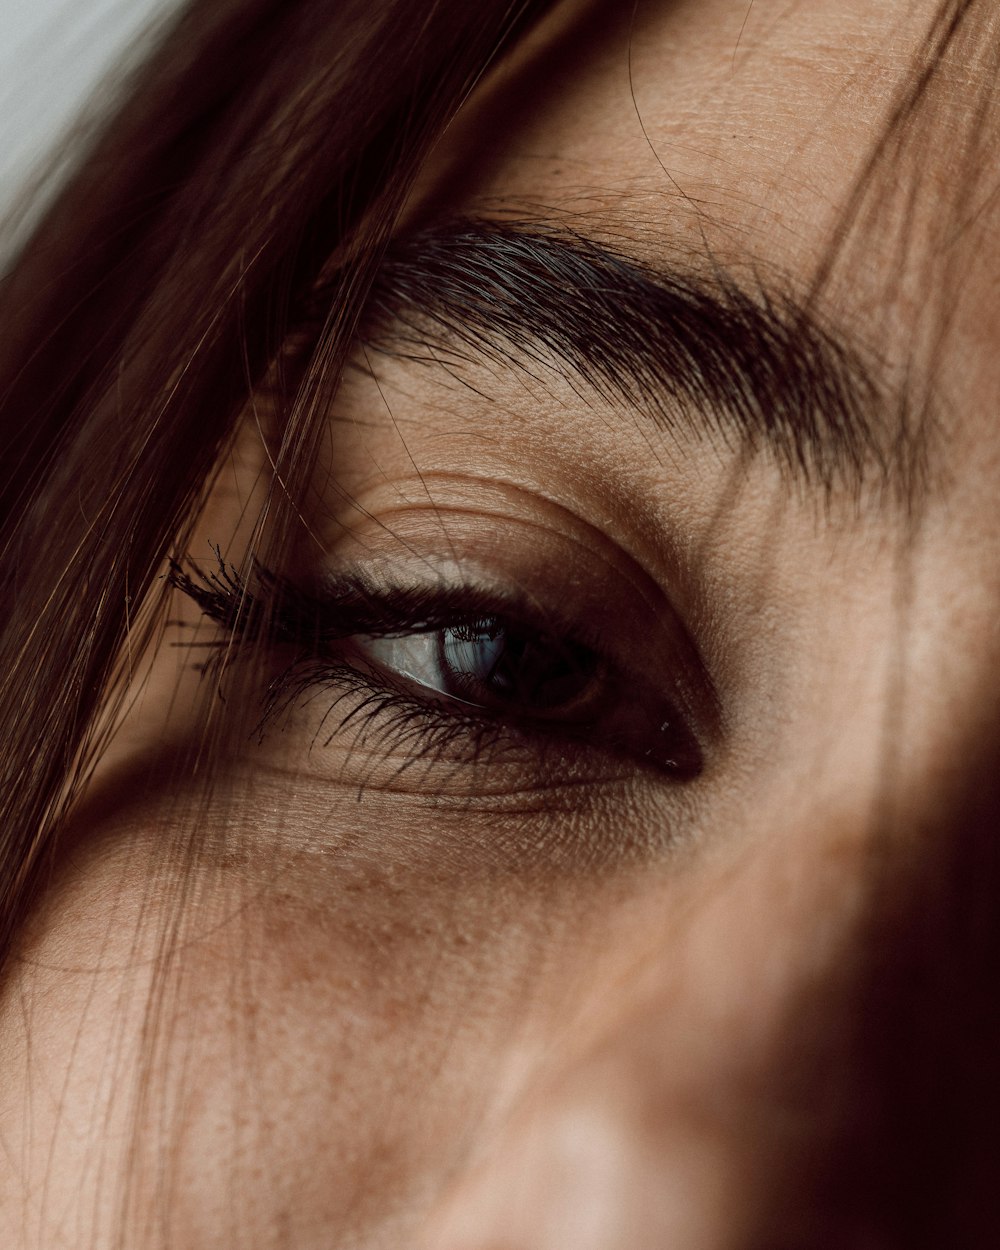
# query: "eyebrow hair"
{"type": "Point", "coordinates": [693, 351]}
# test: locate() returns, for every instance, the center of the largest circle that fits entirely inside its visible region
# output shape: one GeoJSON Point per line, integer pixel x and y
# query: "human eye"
{"type": "Point", "coordinates": [547, 681]}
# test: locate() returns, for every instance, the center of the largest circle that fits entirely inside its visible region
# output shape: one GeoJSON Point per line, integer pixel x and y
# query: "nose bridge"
{"type": "Point", "coordinates": [790, 1081]}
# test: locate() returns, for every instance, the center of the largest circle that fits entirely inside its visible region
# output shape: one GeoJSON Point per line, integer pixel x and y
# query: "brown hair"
{"type": "Point", "coordinates": [262, 142]}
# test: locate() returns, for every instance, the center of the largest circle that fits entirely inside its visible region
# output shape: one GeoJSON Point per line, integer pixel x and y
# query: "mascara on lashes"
{"type": "Point", "coordinates": [340, 640]}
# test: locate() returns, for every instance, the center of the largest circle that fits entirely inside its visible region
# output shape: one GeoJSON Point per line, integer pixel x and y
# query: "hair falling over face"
{"type": "Point", "coordinates": [501, 718]}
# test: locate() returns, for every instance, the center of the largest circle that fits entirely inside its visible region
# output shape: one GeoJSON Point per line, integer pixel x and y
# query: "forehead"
{"type": "Point", "coordinates": [840, 150]}
{"type": "Point", "coordinates": [722, 115]}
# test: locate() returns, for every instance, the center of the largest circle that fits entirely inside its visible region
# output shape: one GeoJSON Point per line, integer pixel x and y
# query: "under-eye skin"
{"type": "Point", "coordinates": [461, 675]}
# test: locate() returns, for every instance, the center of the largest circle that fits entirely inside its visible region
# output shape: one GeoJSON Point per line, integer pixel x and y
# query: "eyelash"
{"type": "Point", "coordinates": [386, 714]}
{"type": "Point", "coordinates": [387, 719]}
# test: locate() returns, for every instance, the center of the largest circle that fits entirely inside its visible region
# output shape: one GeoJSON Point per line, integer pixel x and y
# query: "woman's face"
{"type": "Point", "coordinates": [547, 921]}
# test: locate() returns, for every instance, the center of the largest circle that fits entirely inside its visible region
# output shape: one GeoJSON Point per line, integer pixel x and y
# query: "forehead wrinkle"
{"type": "Point", "coordinates": [688, 352]}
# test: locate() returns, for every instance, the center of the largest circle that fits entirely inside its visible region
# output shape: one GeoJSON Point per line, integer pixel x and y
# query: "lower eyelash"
{"type": "Point", "coordinates": [385, 719]}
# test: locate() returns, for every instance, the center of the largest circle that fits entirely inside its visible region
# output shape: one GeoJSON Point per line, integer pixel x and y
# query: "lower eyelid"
{"type": "Point", "coordinates": [394, 740]}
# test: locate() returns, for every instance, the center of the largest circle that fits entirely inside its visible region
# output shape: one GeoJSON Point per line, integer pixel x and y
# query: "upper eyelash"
{"type": "Point", "coordinates": [285, 614]}
{"type": "Point", "coordinates": [398, 720]}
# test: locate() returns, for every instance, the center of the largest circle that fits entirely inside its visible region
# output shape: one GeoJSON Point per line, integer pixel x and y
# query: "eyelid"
{"type": "Point", "coordinates": [616, 612]}
{"type": "Point", "coordinates": [597, 598]}
{"type": "Point", "coordinates": [424, 566]}
{"type": "Point", "coordinates": [628, 714]}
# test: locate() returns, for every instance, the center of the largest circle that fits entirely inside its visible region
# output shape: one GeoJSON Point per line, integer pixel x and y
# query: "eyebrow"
{"type": "Point", "coordinates": [694, 351]}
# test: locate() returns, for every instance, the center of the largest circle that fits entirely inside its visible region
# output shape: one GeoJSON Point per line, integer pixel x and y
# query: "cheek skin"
{"type": "Point", "coordinates": [705, 1091]}
{"type": "Point", "coordinates": [316, 1066]}
{"type": "Point", "coordinates": [267, 1066]}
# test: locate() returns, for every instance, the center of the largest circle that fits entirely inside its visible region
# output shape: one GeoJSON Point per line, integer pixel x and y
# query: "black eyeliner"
{"type": "Point", "coordinates": [394, 711]}
{"type": "Point", "coordinates": [280, 611]}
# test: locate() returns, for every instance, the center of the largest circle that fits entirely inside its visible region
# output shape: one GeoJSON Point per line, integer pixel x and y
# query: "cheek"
{"type": "Point", "coordinates": [255, 1050]}
{"type": "Point", "coordinates": [243, 1053]}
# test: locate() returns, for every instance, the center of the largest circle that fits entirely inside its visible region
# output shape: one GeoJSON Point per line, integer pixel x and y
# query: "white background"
{"type": "Point", "coordinates": [52, 52]}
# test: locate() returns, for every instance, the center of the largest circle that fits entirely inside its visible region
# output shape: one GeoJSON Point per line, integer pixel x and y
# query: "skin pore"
{"type": "Point", "coordinates": [374, 989]}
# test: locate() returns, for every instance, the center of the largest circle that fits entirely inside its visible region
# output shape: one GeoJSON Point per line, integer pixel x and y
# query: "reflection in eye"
{"type": "Point", "coordinates": [447, 660]}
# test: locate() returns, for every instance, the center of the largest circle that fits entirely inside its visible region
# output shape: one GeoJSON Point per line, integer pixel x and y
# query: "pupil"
{"type": "Point", "coordinates": [495, 663]}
